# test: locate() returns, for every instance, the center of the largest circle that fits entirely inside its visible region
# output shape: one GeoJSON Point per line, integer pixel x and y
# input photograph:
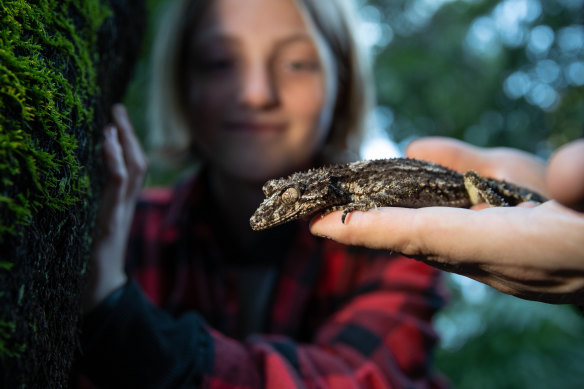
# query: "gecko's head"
{"type": "Point", "coordinates": [286, 200]}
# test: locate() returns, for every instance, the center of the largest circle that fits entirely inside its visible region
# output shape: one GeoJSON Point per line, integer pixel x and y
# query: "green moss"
{"type": "Point", "coordinates": [7, 329]}
{"type": "Point", "coordinates": [42, 113]}
{"type": "Point", "coordinates": [38, 106]}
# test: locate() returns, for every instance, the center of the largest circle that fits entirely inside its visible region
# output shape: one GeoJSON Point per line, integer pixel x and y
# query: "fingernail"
{"type": "Point", "coordinates": [110, 131]}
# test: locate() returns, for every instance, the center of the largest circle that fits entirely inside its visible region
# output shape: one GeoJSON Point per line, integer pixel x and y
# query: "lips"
{"type": "Point", "coordinates": [255, 126]}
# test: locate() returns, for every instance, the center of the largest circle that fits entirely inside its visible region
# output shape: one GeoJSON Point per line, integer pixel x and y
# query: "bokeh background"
{"type": "Point", "coordinates": [492, 73]}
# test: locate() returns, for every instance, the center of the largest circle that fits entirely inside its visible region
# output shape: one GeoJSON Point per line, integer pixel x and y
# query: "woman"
{"type": "Point", "coordinates": [254, 89]}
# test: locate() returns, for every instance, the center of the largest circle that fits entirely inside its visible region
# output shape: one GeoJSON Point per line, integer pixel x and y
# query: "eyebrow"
{"type": "Point", "coordinates": [300, 36]}
{"type": "Point", "coordinates": [220, 36]}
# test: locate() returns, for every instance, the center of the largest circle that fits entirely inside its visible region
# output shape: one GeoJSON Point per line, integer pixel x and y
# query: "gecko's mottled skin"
{"type": "Point", "coordinates": [362, 185]}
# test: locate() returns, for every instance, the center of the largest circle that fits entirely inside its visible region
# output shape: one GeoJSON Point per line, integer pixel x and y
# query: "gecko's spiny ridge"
{"type": "Point", "coordinates": [363, 185]}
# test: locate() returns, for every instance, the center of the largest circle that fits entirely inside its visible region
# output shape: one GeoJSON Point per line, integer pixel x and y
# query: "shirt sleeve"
{"type": "Point", "coordinates": [381, 337]}
{"type": "Point", "coordinates": [129, 343]}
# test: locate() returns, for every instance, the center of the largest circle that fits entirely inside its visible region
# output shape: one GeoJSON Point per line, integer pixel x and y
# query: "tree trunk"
{"type": "Point", "coordinates": [62, 65]}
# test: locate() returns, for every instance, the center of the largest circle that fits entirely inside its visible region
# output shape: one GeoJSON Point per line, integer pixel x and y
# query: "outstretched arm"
{"type": "Point", "coordinates": [533, 252]}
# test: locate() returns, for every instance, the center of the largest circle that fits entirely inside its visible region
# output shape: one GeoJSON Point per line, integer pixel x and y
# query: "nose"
{"type": "Point", "coordinates": [257, 87]}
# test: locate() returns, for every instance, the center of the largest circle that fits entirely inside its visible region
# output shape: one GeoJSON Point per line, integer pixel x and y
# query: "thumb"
{"type": "Point", "coordinates": [452, 153]}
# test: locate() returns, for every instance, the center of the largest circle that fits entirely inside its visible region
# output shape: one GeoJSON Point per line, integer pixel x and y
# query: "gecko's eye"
{"type": "Point", "coordinates": [290, 195]}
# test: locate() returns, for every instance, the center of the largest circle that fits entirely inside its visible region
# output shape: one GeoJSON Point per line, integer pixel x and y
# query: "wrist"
{"type": "Point", "coordinates": [98, 291]}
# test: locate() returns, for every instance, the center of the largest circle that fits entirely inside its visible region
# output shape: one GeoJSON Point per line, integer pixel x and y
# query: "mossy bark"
{"type": "Point", "coordinates": [62, 65]}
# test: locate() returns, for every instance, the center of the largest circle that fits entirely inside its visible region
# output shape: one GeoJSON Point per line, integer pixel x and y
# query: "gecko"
{"type": "Point", "coordinates": [365, 185]}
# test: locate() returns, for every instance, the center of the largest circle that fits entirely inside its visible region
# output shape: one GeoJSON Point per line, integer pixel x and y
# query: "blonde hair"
{"type": "Point", "coordinates": [334, 27]}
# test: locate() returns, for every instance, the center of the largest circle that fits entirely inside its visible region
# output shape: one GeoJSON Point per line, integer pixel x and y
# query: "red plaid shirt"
{"type": "Point", "coordinates": [336, 316]}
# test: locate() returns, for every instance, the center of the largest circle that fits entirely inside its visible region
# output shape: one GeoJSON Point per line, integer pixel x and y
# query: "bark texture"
{"type": "Point", "coordinates": [62, 65]}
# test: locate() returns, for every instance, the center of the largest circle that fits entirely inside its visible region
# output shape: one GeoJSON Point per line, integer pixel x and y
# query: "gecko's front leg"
{"type": "Point", "coordinates": [361, 205]}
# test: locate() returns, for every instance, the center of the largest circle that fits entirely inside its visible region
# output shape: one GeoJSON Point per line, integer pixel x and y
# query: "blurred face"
{"type": "Point", "coordinates": [257, 101]}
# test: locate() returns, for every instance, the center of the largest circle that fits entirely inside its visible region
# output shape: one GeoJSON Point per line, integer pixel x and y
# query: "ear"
{"type": "Point", "coordinates": [301, 187]}
{"type": "Point", "coordinates": [334, 186]}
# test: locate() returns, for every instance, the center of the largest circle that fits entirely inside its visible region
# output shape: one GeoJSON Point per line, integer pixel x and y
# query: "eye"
{"type": "Point", "coordinates": [290, 195]}
{"type": "Point", "coordinates": [215, 65]}
{"type": "Point", "coordinates": [301, 66]}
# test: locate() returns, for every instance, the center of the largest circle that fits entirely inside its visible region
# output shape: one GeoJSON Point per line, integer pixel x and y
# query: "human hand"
{"type": "Point", "coordinates": [125, 166]}
{"type": "Point", "coordinates": [502, 163]}
{"type": "Point", "coordinates": [533, 252]}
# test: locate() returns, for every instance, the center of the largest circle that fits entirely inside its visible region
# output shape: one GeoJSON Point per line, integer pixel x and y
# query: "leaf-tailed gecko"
{"type": "Point", "coordinates": [363, 185]}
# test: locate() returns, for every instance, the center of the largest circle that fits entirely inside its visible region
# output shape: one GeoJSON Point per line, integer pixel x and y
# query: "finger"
{"type": "Point", "coordinates": [132, 149]}
{"type": "Point", "coordinates": [115, 164]}
{"type": "Point", "coordinates": [528, 204]}
{"type": "Point", "coordinates": [116, 183]}
{"type": "Point", "coordinates": [451, 153]}
{"type": "Point", "coordinates": [133, 154]}
{"type": "Point", "coordinates": [383, 228]}
{"type": "Point", "coordinates": [565, 175]}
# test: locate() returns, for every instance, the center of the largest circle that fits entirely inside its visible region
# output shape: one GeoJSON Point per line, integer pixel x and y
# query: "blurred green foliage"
{"type": "Point", "coordinates": [493, 73]}
{"type": "Point", "coordinates": [495, 341]}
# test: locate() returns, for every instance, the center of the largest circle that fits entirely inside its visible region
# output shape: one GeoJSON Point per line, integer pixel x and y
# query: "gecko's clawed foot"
{"type": "Point", "coordinates": [345, 213]}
